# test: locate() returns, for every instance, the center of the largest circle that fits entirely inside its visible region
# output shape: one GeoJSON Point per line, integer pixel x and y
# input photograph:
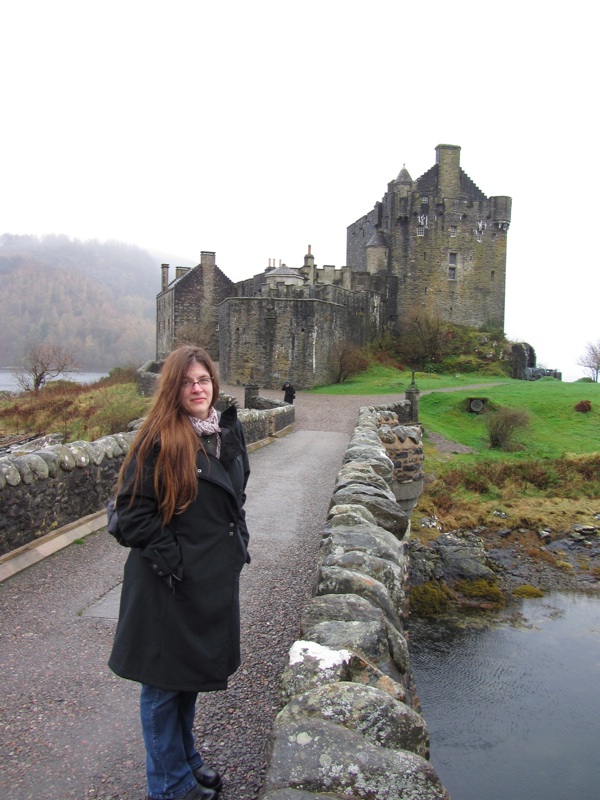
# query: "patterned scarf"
{"type": "Point", "coordinates": [208, 426]}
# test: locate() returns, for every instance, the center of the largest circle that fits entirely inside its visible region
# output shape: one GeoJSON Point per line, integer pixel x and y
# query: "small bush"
{"type": "Point", "coordinates": [503, 425]}
{"type": "Point", "coordinates": [126, 374]}
{"type": "Point", "coordinates": [481, 589]}
{"type": "Point", "coordinates": [527, 591]}
{"type": "Point", "coordinates": [461, 364]}
{"type": "Point", "coordinates": [428, 600]}
{"type": "Point", "coordinates": [584, 406]}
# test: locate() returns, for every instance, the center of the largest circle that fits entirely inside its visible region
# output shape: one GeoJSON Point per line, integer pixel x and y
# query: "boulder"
{"type": "Point", "coordinates": [381, 719]}
{"type": "Point", "coordinates": [387, 512]}
{"type": "Point", "coordinates": [365, 538]}
{"type": "Point", "coordinates": [367, 639]}
{"type": "Point", "coordinates": [335, 580]}
{"type": "Point", "coordinates": [317, 755]}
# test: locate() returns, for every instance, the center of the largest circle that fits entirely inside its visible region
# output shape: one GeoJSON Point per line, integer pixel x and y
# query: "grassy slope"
{"type": "Point", "coordinates": [387, 380]}
{"type": "Point", "coordinates": [555, 427]}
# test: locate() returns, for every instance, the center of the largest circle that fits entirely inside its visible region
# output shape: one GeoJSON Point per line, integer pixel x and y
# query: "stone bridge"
{"type": "Point", "coordinates": [323, 705]}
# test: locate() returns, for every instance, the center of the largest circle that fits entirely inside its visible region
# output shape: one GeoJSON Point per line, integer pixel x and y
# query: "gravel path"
{"type": "Point", "coordinates": [70, 728]}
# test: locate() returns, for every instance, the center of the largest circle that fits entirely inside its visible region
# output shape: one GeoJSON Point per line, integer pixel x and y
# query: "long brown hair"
{"type": "Point", "coordinates": [167, 425]}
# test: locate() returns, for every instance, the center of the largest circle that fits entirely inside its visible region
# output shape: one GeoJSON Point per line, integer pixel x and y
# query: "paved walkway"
{"type": "Point", "coordinates": [69, 727]}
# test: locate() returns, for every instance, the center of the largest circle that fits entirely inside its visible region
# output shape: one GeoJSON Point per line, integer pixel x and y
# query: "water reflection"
{"type": "Point", "coordinates": [514, 710]}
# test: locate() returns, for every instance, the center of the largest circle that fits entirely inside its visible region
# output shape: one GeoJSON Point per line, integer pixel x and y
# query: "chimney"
{"type": "Point", "coordinates": [207, 258]}
{"type": "Point", "coordinates": [309, 259]}
{"type": "Point", "coordinates": [448, 161]}
{"type": "Point", "coordinates": [165, 277]}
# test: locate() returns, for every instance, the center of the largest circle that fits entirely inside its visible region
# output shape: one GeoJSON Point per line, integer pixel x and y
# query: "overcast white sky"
{"type": "Point", "coordinates": [256, 128]}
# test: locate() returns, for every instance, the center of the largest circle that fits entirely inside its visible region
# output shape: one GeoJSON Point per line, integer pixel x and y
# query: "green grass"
{"type": "Point", "coordinates": [388, 380]}
{"type": "Point", "coordinates": [555, 427]}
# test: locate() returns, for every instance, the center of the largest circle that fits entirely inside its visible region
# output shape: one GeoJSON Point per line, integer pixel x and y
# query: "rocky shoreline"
{"type": "Point", "coordinates": [510, 559]}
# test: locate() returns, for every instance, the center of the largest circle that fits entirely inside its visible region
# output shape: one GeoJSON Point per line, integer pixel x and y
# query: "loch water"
{"type": "Point", "coordinates": [513, 710]}
{"type": "Point", "coordinates": [8, 382]}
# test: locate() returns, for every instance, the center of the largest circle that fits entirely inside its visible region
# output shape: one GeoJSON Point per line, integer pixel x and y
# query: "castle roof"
{"type": "Point", "coordinates": [378, 239]}
{"type": "Point", "coordinates": [403, 176]}
{"type": "Point", "coordinates": [428, 182]}
{"type": "Point", "coordinates": [284, 271]}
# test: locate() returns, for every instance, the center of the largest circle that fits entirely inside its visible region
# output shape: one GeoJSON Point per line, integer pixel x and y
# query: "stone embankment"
{"type": "Point", "coordinates": [348, 726]}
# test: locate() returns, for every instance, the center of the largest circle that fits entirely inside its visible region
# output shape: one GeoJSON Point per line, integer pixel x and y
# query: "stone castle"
{"type": "Point", "coordinates": [434, 245]}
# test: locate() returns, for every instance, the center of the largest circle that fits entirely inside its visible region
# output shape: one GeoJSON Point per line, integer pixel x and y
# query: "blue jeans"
{"type": "Point", "coordinates": [171, 755]}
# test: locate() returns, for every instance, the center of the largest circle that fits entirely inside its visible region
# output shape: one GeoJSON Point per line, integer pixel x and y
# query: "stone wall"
{"type": "Point", "coordinates": [348, 726]}
{"type": "Point", "coordinates": [268, 340]}
{"type": "Point", "coordinates": [44, 488]}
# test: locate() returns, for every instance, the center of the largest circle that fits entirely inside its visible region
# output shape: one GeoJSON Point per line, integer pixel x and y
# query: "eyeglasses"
{"type": "Point", "coordinates": [202, 382]}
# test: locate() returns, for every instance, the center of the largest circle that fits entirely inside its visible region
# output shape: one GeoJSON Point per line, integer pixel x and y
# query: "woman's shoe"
{"type": "Point", "coordinates": [200, 793]}
{"type": "Point", "coordinates": [208, 777]}
{"type": "Point", "coordinates": [197, 793]}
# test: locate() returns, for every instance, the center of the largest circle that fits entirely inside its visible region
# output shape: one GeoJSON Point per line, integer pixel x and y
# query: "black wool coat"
{"type": "Point", "coordinates": [179, 619]}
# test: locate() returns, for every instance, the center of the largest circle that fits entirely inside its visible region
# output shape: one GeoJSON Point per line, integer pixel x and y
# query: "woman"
{"type": "Point", "coordinates": [289, 393]}
{"type": "Point", "coordinates": [180, 501]}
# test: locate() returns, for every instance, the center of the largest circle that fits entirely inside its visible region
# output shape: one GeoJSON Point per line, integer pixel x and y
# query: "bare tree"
{"type": "Point", "coordinates": [425, 339]}
{"type": "Point", "coordinates": [590, 360]}
{"type": "Point", "coordinates": [346, 361]}
{"type": "Point", "coordinates": [42, 362]}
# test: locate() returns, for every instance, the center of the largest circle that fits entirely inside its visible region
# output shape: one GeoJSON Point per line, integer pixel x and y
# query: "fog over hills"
{"type": "Point", "coordinates": [96, 297]}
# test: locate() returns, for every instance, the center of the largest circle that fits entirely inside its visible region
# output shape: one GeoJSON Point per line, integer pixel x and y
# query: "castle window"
{"type": "Point", "coordinates": [424, 200]}
{"type": "Point", "coordinates": [452, 230]}
{"type": "Point", "coordinates": [451, 273]}
{"type": "Point", "coordinates": [452, 258]}
{"type": "Point", "coordinates": [420, 230]}
{"type": "Point", "coordinates": [492, 276]}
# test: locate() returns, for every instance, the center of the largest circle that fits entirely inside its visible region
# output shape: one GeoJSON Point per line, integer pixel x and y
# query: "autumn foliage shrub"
{"type": "Point", "coordinates": [503, 425]}
{"type": "Point", "coordinates": [584, 406]}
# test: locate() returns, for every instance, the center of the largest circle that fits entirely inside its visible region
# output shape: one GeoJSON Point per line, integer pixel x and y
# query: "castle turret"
{"type": "Point", "coordinates": [403, 184]}
{"type": "Point", "coordinates": [448, 161]}
{"type": "Point", "coordinates": [501, 208]}
{"type": "Point", "coordinates": [377, 252]}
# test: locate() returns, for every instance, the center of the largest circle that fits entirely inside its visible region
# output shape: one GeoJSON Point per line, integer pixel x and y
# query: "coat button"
{"type": "Point", "coordinates": [199, 472]}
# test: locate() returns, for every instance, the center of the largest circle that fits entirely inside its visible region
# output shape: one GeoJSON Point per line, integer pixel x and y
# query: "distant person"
{"type": "Point", "coordinates": [289, 393]}
{"type": "Point", "coordinates": [180, 501]}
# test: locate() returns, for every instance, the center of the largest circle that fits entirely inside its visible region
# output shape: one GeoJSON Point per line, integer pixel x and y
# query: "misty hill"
{"type": "Point", "coordinates": [96, 297]}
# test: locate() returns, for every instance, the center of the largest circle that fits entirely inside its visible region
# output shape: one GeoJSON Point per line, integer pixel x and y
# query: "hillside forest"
{"type": "Point", "coordinates": [96, 298]}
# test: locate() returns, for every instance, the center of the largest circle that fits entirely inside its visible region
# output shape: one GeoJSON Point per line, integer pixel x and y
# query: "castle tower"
{"type": "Point", "coordinates": [446, 246]}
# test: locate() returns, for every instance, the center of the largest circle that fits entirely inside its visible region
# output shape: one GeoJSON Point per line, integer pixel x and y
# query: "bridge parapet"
{"type": "Point", "coordinates": [349, 726]}
{"type": "Point", "coordinates": [44, 485]}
